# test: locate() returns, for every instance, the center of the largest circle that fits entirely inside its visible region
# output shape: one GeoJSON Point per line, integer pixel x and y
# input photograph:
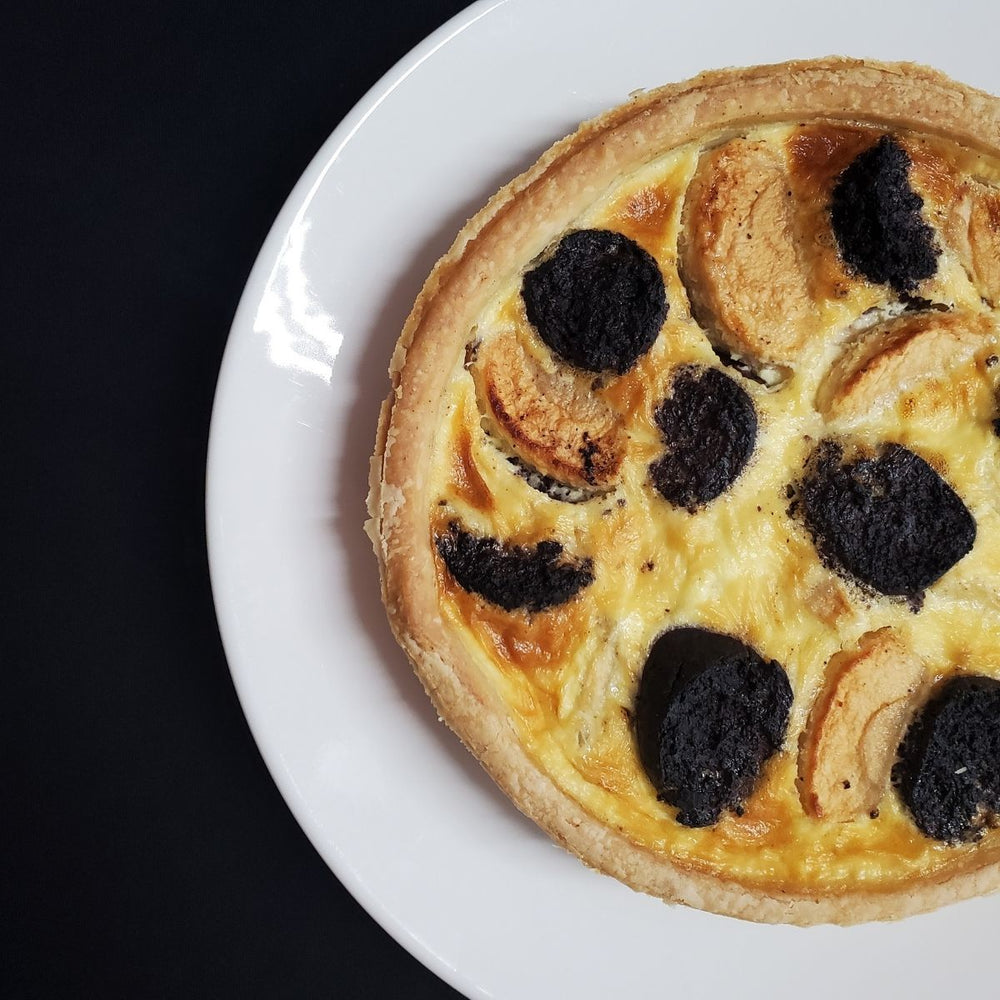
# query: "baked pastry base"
{"type": "Point", "coordinates": [516, 225]}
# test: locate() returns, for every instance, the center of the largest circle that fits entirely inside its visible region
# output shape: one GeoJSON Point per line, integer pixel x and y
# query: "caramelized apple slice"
{"type": "Point", "coordinates": [885, 362]}
{"type": "Point", "coordinates": [855, 726]}
{"type": "Point", "coordinates": [973, 229]}
{"type": "Point", "coordinates": [550, 416]}
{"type": "Point", "coordinates": [747, 284]}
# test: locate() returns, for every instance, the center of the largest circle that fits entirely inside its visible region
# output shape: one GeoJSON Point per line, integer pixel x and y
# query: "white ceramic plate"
{"type": "Point", "coordinates": [400, 812]}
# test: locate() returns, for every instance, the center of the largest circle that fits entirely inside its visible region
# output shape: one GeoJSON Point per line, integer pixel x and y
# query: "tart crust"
{"type": "Point", "coordinates": [516, 225]}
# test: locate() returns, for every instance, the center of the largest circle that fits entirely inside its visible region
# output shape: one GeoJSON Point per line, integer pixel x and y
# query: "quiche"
{"type": "Point", "coordinates": [685, 494]}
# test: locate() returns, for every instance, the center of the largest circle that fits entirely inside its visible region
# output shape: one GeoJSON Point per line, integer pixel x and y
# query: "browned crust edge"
{"type": "Point", "coordinates": [515, 225]}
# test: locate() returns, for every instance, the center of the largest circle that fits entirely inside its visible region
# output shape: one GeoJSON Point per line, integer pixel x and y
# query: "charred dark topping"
{"type": "Point", "coordinates": [472, 351]}
{"type": "Point", "coordinates": [888, 519]}
{"type": "Point", "coordinates": [598, 301]}
{"type": "Point", "coordinates": [513, 576]}
{"type": "Point", "coordinates": [709, 713]}
{"type": "Point", "coordinates": [917, 303]}
{"type": "Point", "coordinates": [877, 222]}
{"type": "Point", "coordinates": [709, 426]}
{"type": "Point", "coordinates": [550, 486]}
{"type": "Point", "coordinates": [740, 365]}
{"type": "Point", "coordinates": [948, 772]}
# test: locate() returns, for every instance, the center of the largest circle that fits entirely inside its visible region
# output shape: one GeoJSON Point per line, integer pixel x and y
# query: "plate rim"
{"type": "Point", "coordinates": [299, 197]}
{"type": "Point", "coordinates": [289, 215]}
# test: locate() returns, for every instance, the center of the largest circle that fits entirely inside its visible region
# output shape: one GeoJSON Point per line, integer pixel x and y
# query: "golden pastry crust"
{"type": "Point", "coordinates": [517, 224]}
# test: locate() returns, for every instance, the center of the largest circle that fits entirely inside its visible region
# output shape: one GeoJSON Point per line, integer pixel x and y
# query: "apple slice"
{"type": "Point", "coordinates": [550, 415]}
{"type": "Point", "coordinates": [747, 284]}
{"type": "Point", "coordinates": [855, 726]}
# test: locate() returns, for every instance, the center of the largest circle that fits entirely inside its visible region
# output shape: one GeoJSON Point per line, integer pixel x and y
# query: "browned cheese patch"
{"type": "Point", "coordinates": [855, 726]}
{"type": "Point", "coordinates": [828, 600]}
{"type": "Point", "coordinates": [530, 648]}
{"type": "Point", "coordinates": [645, 215]}
{"type": "Point", "coordinates": [934, 177]}
{"type": "Point", "coordinates": [768, 816]}
{"type": "Point", "coordinates": [467, 482]}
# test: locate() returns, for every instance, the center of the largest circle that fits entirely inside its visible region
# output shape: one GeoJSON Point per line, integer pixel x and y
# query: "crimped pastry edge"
{"type": "Point", "coordinates": [516, 224]}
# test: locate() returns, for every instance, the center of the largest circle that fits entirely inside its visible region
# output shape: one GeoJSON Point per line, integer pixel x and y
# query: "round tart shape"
{"type": "Point", "coordinates": [684, 494]}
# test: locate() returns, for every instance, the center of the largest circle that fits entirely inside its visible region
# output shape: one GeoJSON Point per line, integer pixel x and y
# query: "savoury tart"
{"type": "Point", "coordinates": [684, 495]}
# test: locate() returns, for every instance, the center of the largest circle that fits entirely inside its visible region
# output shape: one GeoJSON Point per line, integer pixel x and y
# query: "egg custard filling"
{"type": "Point", "coordinates": [702, 503]}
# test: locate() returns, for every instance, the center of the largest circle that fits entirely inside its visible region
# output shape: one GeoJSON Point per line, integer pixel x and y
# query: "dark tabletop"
{"type": "Point", "coordinates": [146, 151]}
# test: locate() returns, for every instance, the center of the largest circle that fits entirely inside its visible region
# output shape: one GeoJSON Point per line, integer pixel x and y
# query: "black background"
{"type": "Point", "coordinates": [146, 149]}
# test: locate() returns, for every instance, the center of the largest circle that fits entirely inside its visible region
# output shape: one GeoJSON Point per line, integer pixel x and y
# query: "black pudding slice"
{"type": "Point", "coordinates": [598, 301]}
{"type": "Point", "coordinates": [709, 713]}
{"type": "Point", "coordinates": [888, 520]}
{"type": "Point", "coordinates": [709, 426]}
{"type": "Point", "coordinates": [948, 772]}
{"type": "Point", "coordinates": [513, 576]}
{"type": "Point", "coordinates": [877, 222]}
